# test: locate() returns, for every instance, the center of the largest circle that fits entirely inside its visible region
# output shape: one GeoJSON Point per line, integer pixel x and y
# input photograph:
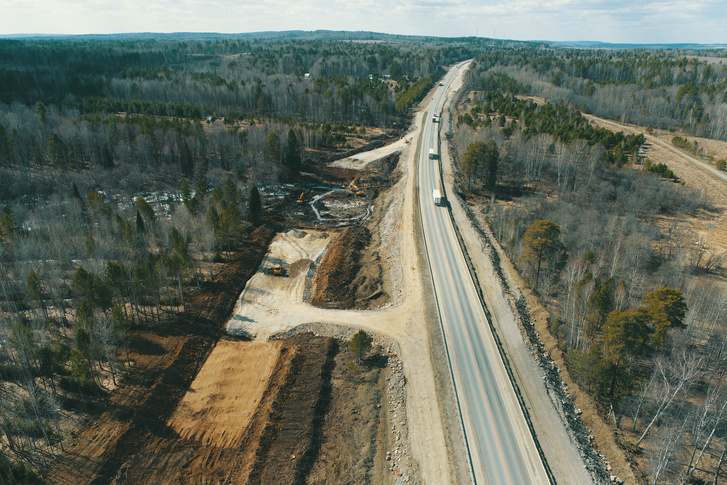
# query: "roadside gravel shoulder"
{"type": "Point", "coordinates": [546, 411]}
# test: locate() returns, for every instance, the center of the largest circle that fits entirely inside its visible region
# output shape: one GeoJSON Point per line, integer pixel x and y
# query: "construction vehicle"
{"type": "Point", "coordinates": [300, 199]}
{"type": "Point", "coordinates": [279, 270]}
{"type": "Point", "coordinates": [355, 188]}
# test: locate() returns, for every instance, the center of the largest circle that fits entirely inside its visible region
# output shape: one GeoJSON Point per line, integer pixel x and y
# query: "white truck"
{"type": "Point", "coordinates": [438, 197]}
{"type": "Point", "coordinates": [432, 155]}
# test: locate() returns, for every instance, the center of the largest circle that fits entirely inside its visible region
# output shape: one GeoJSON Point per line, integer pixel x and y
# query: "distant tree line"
{"type": "Point", "coordinates": [123, 110]}
{"type": "Point", "coordinates": [664, 89]}
{"type": "Point", "coordinates": [309, 80]}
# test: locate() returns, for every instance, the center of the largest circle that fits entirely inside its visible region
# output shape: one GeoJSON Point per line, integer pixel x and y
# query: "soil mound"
{"type": "Point", "coordinates": [334, 285]}
{"type": "Point", "coordinates": [291, 441]}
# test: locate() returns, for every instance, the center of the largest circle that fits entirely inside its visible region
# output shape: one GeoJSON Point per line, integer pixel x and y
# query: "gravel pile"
{"type": "Point", "coordinates": [400, 460]}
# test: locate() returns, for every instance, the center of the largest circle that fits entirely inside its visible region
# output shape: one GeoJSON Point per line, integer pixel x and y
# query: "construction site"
{"type": "Point", "coordinates": [256, 383]}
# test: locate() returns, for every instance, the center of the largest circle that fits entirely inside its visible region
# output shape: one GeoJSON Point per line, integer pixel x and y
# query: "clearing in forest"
{"type": "Point", "coordinates": [267, 295]}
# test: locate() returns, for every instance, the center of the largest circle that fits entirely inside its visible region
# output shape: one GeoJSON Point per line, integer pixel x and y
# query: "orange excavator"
{"type": "Point", "coordinates": [354, 188]}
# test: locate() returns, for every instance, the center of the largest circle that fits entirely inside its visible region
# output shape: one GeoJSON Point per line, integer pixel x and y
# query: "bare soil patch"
{"type": "Point", "coordinates": [376, 138]}
{"type": "Point", "coordinates": [352, 273]}
{"type": "Point", "coordinates": [167, 357]}
{"type": "Point", "coordinates": [290, 442]}
{"type": "Point", "coordinates": [355, 437]}
{"type": "Point", "coordinates": [334, 285]}
{"type": "Point", "coordinates": [222, 399]}
{"type": "Point", "coordinates": [299, 252]}
{"type": "Point", "coordinates": [276, 447]}
{"type": "Point", "coordinates": [264, 427]}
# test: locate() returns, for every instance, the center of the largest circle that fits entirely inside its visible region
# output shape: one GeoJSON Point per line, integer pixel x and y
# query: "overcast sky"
{"type": "Point", "coordinates": [630, 21]}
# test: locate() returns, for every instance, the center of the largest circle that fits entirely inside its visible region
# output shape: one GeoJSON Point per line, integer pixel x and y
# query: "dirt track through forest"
{"type": "Point", "coordinates": [697, 174]}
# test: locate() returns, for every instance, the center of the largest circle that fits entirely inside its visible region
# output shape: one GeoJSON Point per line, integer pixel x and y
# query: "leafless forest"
{"type": "Point", "coordinates": [129, 175]}
{"type": "Point", "coordinates": [604, 234]}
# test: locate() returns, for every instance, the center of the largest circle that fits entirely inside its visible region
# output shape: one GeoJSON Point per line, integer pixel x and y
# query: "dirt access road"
{"type": "Point", "coordinates": [694, 172]}
{"type": "Point", "coordinates": [709, 229]}
{"type": "Point", "coordinates": [271, 306]}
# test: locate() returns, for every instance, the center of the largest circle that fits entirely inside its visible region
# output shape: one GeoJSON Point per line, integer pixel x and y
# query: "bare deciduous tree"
{"type": "Point", "coordinates": [675, 374]}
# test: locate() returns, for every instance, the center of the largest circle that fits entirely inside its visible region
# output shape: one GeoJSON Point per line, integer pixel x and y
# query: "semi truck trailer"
{"type": "Point", "coordinates": [438, 197]}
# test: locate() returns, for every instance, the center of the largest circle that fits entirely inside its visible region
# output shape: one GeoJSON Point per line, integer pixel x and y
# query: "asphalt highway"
{"type": "Point", "coordinates": [502, 450]}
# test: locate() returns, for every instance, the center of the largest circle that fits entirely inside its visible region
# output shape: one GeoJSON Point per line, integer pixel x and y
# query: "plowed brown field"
{"type": "Point", "coordinates": [221, 401]}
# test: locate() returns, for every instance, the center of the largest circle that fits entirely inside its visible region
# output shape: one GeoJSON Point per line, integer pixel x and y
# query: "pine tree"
{"type": "Point", "coordinates": [146, 210]}
{"type": "Point", "coordinates": [292, 155]}
{"type": "Point", "coordinates": [665, 309]}
{"type": "Point", "coordinates": [272, 149]}
{"type": "Point", "coordinates": [140, 227]}
{"type": "Point", "coordinates": [625, 337]}
{"type": "Point", "coordinates": [36, 292]}
{"type": "Point", "coordinates": [541, 241]}
{"type": "Point", "coordinates": [56, 151]}
{"type": "Point", "coordinates": [360, 344]}
{"type": "Point", "coordinates": [230, 222]}
{"type": "Point", "coordinates": [255, 206]}
{"type": "Point", "coordinates": [8, 227]}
